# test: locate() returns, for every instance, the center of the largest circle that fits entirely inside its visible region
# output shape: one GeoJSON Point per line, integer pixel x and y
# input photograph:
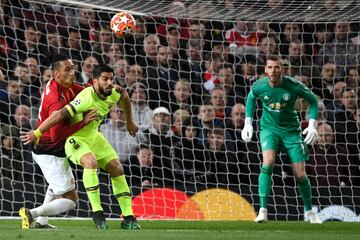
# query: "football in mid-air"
{"type": "Point", "coordinates": [122, 24]}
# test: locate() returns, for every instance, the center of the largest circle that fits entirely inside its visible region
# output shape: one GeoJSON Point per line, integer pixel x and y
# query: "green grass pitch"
{"type": "Point", "coordinates": [159, 230]}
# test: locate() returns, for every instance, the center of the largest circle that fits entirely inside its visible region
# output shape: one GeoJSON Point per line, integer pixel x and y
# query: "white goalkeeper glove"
{"type": "Point", "coordinates": [247, 132]}
{"type": "Point", "coordinates": [311, 132]}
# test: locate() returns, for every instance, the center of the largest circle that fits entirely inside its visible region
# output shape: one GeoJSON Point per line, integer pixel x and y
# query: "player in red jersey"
{"type": "Point", "coordinates": [49, 153]}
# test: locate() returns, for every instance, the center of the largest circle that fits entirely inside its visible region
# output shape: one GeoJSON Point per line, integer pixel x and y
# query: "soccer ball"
{"type": "Point", "coordinates": [123, 23]}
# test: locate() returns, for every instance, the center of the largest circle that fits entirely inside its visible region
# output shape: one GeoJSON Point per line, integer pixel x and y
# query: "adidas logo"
{"type": "Point", "coordinates": [266, 97]}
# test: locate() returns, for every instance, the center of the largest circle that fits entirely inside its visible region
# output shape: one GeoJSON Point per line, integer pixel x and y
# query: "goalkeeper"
{"type": "Point", "coordinates": [89, 148]}
{"type": "Point", "coordinates": [280, 128]}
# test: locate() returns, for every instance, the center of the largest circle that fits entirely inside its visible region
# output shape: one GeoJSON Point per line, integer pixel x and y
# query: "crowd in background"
{"type": "Point", "coordinates": [188, 80]}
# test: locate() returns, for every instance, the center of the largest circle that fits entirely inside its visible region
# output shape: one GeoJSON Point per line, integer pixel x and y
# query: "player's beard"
{"type": "Point", "coordinates": [105, 91]}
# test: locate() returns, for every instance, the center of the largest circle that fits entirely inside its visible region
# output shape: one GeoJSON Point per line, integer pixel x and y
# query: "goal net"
{"type": "Point", "coordinates": [188, 69]}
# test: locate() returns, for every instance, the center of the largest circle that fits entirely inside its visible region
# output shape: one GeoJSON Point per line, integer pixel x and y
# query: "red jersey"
{"type": "Point", "coordinates": [54, 98]}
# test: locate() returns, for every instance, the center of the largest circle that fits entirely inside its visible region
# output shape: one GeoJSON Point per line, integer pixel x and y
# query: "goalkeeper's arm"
{"type": "Point", "coordinates": [247, 132]}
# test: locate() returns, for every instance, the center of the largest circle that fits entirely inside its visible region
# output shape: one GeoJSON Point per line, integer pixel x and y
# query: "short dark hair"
{"type": "Point", "coordinates": [98, 69]}
{"type": "Point", "coordinates": [274, 58]}
{"type": "Point", "coordinates": [56, 59]}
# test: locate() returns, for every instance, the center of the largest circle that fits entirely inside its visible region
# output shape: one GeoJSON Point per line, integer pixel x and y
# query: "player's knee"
{"type": "Point", "coordinates": [300, 176]}
{"type": "Point", "coordinates": [89, 162]}
{"type": "Point", "coordinates": [71, 195]}
{"type": "Point", "coordinates": [115, 168]}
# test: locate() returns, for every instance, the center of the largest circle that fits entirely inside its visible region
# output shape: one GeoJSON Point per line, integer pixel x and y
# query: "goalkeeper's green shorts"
{"type": "Point", "coordinates": [292, 143]}
{"type": "Point", "coordinates": [76, 147]}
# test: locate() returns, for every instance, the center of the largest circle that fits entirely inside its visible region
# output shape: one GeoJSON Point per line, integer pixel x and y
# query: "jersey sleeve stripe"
{"type": "Point", "coordinates": [71, 109]}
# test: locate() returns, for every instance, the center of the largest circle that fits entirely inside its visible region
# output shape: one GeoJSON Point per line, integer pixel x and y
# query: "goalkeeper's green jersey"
{"type": "Point", "coordinates": [279, 103]}
{"type": "Point", "coordinates": [87, 100]}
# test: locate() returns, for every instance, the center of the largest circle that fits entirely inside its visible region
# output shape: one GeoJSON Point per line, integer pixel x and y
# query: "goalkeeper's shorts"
{"type": "Point", "coordinates": [292, 143]}
{"type": "Point", "coordinates": [76, 147]}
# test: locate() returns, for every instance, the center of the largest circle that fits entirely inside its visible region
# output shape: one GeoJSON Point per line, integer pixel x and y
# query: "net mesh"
{"type": "Point", "coordinates": [197, 59]}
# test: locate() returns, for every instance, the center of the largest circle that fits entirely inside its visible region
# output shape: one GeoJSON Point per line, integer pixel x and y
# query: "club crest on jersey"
{"type": "Point", "coordinates": [77, 101]}
{"type": "Point", "coordinates": [286, 97]}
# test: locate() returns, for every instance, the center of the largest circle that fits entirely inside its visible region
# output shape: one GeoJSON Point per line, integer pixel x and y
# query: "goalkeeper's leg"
{"type": "Point", "coordinates": [303, 183]}
{"type": "Point", "coordinates": [265, 183]}
{"type": "Point", "coordinates": [122, 193]}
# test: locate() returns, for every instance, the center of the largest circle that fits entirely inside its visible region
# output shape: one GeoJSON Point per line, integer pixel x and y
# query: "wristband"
{"type": "Point", "coordinates": [37, 133]}
{"type": "Point", "coordinates": [312, 123]}
{"type": "Point", "coordinates": [248, 121]}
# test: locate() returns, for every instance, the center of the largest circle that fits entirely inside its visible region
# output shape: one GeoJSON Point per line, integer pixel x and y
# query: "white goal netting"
{"type": "Point", "coordinates": [196, 60]}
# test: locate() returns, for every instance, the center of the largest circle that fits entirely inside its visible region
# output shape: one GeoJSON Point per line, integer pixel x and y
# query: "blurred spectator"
{"type": "Point", "coordinates": [268, 45]}
{"type": "Point", "coordinates": [141, 112]}
{"type": "Point", "coordinates": [115, 131]}
{"type": "Point", "coordinates": [340, 50]}
{"type": "Point", "coordinates": [86, 70]}
{"type": "Point", "coordinates": [102, 45]}
{"type": "Point", "coordinates": [207, 121]}
{"type": "Point", "coordinates": [33, 90]}
{"type": "Point", "coordinates": [174, 41]}
{"type": "Point", "coordinates": [134, 74]}
{"type": "Point", "coordinates": [352, 79]}
{"type": "Point", "coordinates": [22, 117]}
{"type": "Point", "coordinates": [11, 162]}
{"type": "Point", "coordinates": [323, 87]}
{"type": "Point", "coordinates": [88, 25]}
{"type": "Point", "coordinates": [286, 67]}
{"type": "Point", "coordinates": [159, 137]}
{"type": "Point", "coordinates": [120, 69]}
{"type": "Point", "coordinates": [248, 76]}
{"type": "Point", "coordinates": [323, 35]}
{"type": "Point", "coordinates": [300, 64]}
{"type": "Point", "coordinates": [162, 79]}
{"type": "Point", "coordinates": [73, 47]}
{"type": "Point", "coordinates": [13, 27]}
{"type": "Point", "coordinates": [151, 44]}
{"type": "Point", "coordinates": [51, 44]}
{"type": "Point", "coordinates": [191, 160]}
{"type": "Point", "coordinates": [134, 43]}
{"type": "Point", "coordinates": [222, 50]}
{"type": "Point", "coordinates": [219, 102]}
{"type": "Point", "coordinates": [114, 54]}
{"type": "Point", "coordinates": [139, 169]}
{"type": "Point", "coordinates": [232, 91]}
{"type": "Point", "coordinates": [290, 33]}
{"type": "Point", "coordinates": [243, 38]}
{"type": "Point", "coordinates": [223, 162]}
{"type": "Point", "coordinates": [179, 117]}
{"type": "Point", "coordinates": [21, 72]}
{"type": "Point", "coordinates": [344, 120]}
{"type": "Point", "coordinates": [10, 99]}
{"type": "Point", "coordinates": [181, 97]}
{"type": "Point", "coordinates": [212, 64]}
{"type": "Point", "coordinates": [29, 46]}
{"type": "Point", "coordinates": [336, 105]}
{"type": "Point", "coordinates": [191, 67]}
{"type": "Point", "coordinates": [327, 164]}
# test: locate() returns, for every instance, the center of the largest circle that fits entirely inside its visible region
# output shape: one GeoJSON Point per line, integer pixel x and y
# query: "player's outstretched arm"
{"type": "Point", "coordinates": [55, 118]}
{"type": "Point", "coordinates": [126, 106]}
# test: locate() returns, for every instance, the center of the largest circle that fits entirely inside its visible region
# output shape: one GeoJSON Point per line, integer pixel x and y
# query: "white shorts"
{"type": "Point", "coordinates": [57, 173]}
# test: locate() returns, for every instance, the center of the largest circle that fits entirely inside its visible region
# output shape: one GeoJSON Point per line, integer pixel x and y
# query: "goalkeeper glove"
{"type": "Point", "coordinates": [311, 133]}
{"type": "Point", "coordinates": [247, 132]}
